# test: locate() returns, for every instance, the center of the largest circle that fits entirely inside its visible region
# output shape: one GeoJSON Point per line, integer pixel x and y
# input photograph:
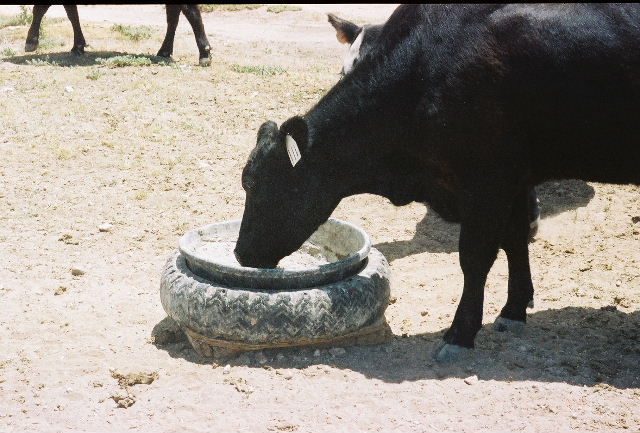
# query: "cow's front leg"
{"type": "Point", "coordinates": [33, 35]}
{"type": "Point", "coordinates": [483, 219]}
{"type": "Point", "coordinates": [515, 244]}
{"type": "Point", "coordinates": [78, 38]}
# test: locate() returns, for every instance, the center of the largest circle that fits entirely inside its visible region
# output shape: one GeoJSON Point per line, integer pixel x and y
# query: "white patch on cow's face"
{"type": "Point", "coordinates": [353, 54]}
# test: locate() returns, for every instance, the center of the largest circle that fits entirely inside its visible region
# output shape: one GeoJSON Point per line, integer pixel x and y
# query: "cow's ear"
{"type": "Point", "coordinates": [295, 136]}
{"type": "Point", "coordinates": [346, 31]}
{"type": "Point", "coordinates": [267, 134]}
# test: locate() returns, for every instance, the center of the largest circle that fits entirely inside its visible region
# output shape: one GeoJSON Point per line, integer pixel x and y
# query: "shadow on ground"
{"type": "Point", "coordinates": [91, 58]}
{"type": "Point", "coordinates": [435, 235]}
{"type": "Point", "coordinates": [578, 346]}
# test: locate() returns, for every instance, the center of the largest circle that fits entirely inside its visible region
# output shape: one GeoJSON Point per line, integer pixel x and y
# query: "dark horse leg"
{"type": "Point", "coordinates": [33, 36]}
{"type": "Point", "coordinates": [192, 13]}
{"type": "Point", "coordinates": [78, 38]}
{"type": "Point", "coordinates": [173, 16]}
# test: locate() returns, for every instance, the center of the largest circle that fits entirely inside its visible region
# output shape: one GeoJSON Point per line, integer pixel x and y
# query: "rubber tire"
{"type": "Point", "coordinates": [268, 317]}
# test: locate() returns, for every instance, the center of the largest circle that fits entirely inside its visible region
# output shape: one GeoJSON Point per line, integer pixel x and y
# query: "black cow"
{"type": "Point", "coordinates": [361, 41]}
{"type": "Point", "coordinates": [191, 11]}
{"type": "Point", "coordinates": [464, 107]}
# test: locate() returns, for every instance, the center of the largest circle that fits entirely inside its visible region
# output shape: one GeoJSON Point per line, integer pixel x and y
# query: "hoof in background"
{"type": "Point", "coordinates": [30, 47]}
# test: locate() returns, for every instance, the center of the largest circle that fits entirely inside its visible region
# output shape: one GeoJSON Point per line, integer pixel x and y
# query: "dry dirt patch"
{"type": "Point", "coordinates": [154, 150]}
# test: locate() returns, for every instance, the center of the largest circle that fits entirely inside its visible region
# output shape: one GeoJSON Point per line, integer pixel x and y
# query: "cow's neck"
{"type": "Point", "coordinates": [361, 129]}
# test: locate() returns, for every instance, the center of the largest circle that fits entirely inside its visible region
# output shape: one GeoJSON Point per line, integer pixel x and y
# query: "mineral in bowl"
{"type": "Point", "coordinates": [337, 250]}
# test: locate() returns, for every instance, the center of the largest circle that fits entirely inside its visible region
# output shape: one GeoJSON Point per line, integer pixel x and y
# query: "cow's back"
{"type": "Point", "coordinates": [572, 82]}
{"type": "Point", "coordinates": [560, 82]}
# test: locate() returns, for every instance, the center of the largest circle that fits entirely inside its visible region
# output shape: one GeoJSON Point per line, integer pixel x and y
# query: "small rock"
{"type": "Point", "coordinates": [337, 351]}
{"type": "Point", "coordinates": [471, 380]}
{"type": "Point", "coordinates": [618, 283]}
{"type": "Point", "coordinates": [60, 290]}
{"type": "Point", "coordinates": [68, 89]}
{"type": "Point", "coordinates": [76, 272]}
{"type": "Point", "coordinates": [226, 369]}
{"type": "Point", "coordinates": [392, 300]}
{"type": "Point", "coordinates": [622, 301]}
{"type": "Point", "coordinates": [106, 227]}
{"type": "Point", "coordinates": [424, 313]}
{"type": "Point", "coordinates": [635, 219]}
{"type": "Point", "coordinates": [124, 401]}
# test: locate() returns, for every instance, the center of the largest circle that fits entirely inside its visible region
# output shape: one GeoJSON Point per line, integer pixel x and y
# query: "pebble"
{"type": "Point", "coordinates": [105, 227]}
{"type": "Point", "coordinates": [68, 89]}
{"type": "Point", "coordinates": [471, 380]}
{"type": "Point", "coordinates": [337, 351]}
{"type": "Point", "coordinates": [77, 272]}
{"type": "Point", "coordinates": [226, 369]}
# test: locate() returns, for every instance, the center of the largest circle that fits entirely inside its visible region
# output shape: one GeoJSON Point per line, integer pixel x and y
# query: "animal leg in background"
{"type": "Point", "coordinates": [194, 17]}
{"type": "Point", "coordinates": [78, 38]}
{"type": "Point", "coordinates": [33, 36]}
{"type": "Point", "coordinates": [173, 16]}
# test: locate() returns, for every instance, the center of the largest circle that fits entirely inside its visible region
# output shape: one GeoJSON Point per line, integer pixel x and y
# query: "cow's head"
{"type": "Point", "coordinates": [360, 38]}
{"type": "Point", "coordinates": [284, 204]}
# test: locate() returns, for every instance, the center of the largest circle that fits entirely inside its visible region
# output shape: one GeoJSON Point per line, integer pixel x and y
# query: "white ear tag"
{"type": "Point", "coordinates": [292, 150]}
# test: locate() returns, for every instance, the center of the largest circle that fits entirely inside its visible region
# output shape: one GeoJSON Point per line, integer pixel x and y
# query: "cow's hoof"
{"type": "Point", "coordinates": [205, 61]}
{"type": "Point", "coordinates": [30, 47]}
{"type": "Point", "coordinates": [501, 324]}
{"type": "Point", "coordinates": [447, 353]}
{"type": "Point", "coordinates": [531, 304]}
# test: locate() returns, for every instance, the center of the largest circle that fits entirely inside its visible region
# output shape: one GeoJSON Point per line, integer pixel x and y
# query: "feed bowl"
{"type": "Point", "coordinates": [334, 252]}
{"type": "Point", "coordinates": [334, 293]}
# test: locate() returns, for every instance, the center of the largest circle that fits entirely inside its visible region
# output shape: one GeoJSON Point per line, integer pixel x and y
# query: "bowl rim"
{"type": "Point", "coordinates": [258, 273]}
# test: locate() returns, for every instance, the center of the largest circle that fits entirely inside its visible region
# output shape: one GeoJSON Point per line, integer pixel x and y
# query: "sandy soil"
{"type": "Point", "coordinates": [157, 150]}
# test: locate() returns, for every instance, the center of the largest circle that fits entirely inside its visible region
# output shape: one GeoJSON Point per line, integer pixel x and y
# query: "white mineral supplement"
{"type": "Point", "coordinates": [308, 256]}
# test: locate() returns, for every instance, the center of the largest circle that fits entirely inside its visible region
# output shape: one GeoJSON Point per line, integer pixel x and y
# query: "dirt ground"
{"type": "Point", "coordinates": [157, 150]}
